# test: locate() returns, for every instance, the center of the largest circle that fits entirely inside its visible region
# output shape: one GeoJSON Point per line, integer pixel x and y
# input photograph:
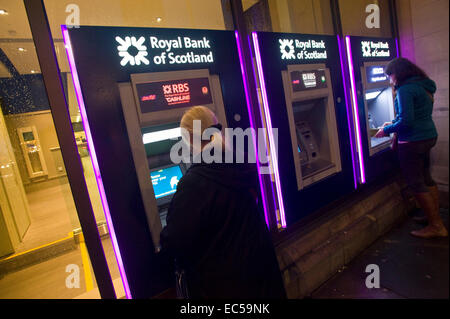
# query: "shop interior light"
{"type": "Point", "coordinates": [21, 49]}
{"type": "Point", "coordinates": [372, 95]}
{"type": "Point", "coordinates": [3, 12]}
{"type": "Point", "coordinates": [152, 137]}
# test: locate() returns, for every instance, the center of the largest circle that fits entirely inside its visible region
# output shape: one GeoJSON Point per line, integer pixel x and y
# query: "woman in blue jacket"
{"type": "Point", "coordinates": [416, 135]}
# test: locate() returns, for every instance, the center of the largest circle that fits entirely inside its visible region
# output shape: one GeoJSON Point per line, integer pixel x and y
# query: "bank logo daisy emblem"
{"type": "Point", "coordinates": [132, 51]}
{"type": "Point", "coordinates": [365, 46]}
{"type": "Point", "coordinates": [287, 49]}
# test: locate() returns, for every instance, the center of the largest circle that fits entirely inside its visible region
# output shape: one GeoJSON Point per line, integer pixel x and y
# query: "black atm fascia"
{"type": "Point", "coordinates": [379, 160]}
{"type": "Point", "coordinates": [98, 66]}
{"type": "Point", "coordinates": [136, 121]}
{"type": "Point", "coordinates": [305, 195]}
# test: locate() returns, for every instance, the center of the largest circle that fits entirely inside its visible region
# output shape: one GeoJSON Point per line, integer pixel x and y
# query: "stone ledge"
{"type": "Point", "coordinates": [309, 258]}
{"type": "Point", "coordinates": [32, 257]}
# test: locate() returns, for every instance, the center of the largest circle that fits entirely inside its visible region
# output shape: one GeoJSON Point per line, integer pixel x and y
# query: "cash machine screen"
{"type": "Point", "coordinates": [305, 80]}
{"type": "Point", "coordinates": [375, 74]}
{"type": "Point", "coordinates": [161, 96]}
{"type": "Point", "coordinates": [165, 180]}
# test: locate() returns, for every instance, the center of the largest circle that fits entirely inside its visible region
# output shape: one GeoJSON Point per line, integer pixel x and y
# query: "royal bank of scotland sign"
{"type": "Point", "coordinates": [294, 49]}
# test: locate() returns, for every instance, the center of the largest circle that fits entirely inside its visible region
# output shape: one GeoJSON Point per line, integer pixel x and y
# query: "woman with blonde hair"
{"type": "Point", "coordinates": [215, 225]}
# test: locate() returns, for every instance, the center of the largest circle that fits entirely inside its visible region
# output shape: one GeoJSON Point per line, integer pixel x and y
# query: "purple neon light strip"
{"type": "Point", "coordinates": [348, 107]}
{"type": "Point", "coordinates": [269, 128]}
{"type": "Point", "coordinates": [355, 111]}
{"type": "Point", "coordinates": [396, 47]}
{"type": "Point", "coordinates": [247, 98]}
{"type": "Point", "coordinates": [255, 78]}
{"type": "Point", "coordinates": [90, 142]}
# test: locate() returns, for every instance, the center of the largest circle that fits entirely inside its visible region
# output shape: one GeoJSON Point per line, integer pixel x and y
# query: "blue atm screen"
{"type": "Point", "coordinates": [165, 180]}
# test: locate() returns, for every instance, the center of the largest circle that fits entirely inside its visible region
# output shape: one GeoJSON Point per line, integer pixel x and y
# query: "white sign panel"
{"type": "Point", "coordinates": [159, 51]}
{"type": "Point", "coordinates": [302, 50]}
{"type": "Point", "coordinates": [375, 49]}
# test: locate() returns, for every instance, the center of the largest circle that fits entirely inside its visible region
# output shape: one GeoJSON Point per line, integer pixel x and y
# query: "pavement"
{"type": "Point", "coordinates": [409, 268]}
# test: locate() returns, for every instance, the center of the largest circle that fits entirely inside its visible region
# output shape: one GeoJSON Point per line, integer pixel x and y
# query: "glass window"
{"type": "Point", "coordinates": [195, 14]}
{"type": "Point", "coordinates": [42, 254]}
{"type": "Point", "coordinates": [289, 16]}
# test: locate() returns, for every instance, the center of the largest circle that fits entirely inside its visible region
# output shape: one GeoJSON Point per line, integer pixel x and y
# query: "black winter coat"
{"type": "Point", "coordinates": [217, 233]}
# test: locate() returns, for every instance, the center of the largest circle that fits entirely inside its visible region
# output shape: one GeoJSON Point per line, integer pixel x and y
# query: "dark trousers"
{"type": "Point", "coordinates": [414, 160]}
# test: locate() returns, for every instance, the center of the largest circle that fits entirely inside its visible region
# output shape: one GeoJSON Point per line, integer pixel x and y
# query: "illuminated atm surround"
{"type": "Point", "coordinates": [274, 52]}
{"type": "Point", "coordinates": [98, 62]}
{"type": "Point", "coordinates": [356, 62]}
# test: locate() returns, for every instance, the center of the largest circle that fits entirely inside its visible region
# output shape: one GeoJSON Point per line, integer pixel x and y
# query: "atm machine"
{"type": "Point", "coordinates": [153, 104]}
{"type": "Point", "coordinates": [373, 103]}
{"type": "Point", "coordinates": [312, 122]}
{"type": "Point", "coordinates": [133, 86]}
{"type": "Point", "coordinates": [304, 100]}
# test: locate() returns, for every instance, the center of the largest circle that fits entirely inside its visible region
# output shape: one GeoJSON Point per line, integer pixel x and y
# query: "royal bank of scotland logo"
{"type": "Point", "coordinates": [287, 49]}
{"type": "Point", "coordinates": [366, 50]}
{"type": "Point", "coordinates": [138, 53]}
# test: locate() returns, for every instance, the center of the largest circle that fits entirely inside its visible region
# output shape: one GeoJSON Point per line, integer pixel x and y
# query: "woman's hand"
{"type": "Point", "coordinates": [380, 133]}
{"type": "Point", "coordinates": [386, 124]}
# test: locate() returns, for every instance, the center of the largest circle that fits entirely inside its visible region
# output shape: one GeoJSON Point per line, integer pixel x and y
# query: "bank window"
{"type": "Point", "coordinates": [196, 14]}
{"type": "Point", "coordinates": [42, 250]}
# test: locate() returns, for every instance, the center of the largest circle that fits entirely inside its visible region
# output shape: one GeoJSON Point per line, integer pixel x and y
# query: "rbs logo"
{"type": "Point", "coordinates": [287, 49]}
{"type": "Point", "coordinates": [130, 43]}
{"type": "Point", "coordinates": [176, 88]}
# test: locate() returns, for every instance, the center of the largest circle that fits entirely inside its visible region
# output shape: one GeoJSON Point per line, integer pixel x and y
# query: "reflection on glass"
{"type": "Point", "coordinates": [35, 161]}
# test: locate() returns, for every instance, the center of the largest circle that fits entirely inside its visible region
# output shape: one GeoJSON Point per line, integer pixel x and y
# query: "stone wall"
{"type": "Point", "coordinates": [424, 29]}
{"type": "Point", "coordinates": [312, 255]}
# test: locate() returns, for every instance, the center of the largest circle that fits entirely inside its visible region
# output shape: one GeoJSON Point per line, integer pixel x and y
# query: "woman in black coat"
{"type": "Point", "coordinates": [216, 230]}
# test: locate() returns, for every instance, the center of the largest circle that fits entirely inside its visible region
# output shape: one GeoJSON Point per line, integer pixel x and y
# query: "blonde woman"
{"type": "Point", "coordinates": [215, 225]}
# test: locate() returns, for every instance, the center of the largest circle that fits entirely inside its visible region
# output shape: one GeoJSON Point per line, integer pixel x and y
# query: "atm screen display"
{"type": "Point", "coordinates": [165, 180]}
{"type": "Point", "coordinates": [375, 74]}
{"type": "Point", "coordinates": [161, 96]}
{"type": "Point", "coordinates": [305, 80]}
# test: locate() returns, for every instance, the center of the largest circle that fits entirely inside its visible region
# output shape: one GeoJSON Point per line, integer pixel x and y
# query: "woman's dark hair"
{"type": "Point", "coordinates": [403, 69]}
